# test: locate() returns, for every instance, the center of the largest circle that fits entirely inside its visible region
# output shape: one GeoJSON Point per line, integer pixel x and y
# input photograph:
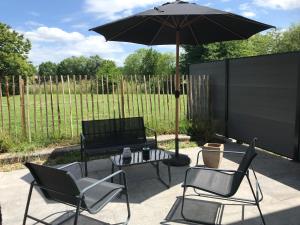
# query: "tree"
{"type": "Point", "coordinates": [133, 62]}
{"type": "Point", "coordinates": [259, 44]}
{"type": "Point", "coordinates": [109, 68]}
{"type": "Point", "coordinates": [47, 69]}
{"type": "Point", "coordinates": [149, 62]}
{"type": "Point", "coordinates": [149, 65]}
{"type": "Point", "coordinates": [14, 49]}
{"type": "Point", "coordinates": [289, 40]}
{"type": "Point", "coordinates": [79, 65]}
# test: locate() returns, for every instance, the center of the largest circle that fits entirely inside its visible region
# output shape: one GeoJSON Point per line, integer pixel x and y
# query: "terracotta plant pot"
{"type": "Point", "coordinates": [213, 159]}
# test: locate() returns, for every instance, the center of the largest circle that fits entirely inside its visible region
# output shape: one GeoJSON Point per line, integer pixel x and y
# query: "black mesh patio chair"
{"type": "Point", "coordinates": [83, 193]}
{"type": "Point", "coordinates": [221, 183]}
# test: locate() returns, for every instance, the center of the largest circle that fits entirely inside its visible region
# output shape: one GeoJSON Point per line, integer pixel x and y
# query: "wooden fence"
{"type": "Point", "coordinates": [55, 106]}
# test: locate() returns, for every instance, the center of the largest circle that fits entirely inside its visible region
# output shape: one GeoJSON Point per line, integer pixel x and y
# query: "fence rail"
{"type": "Point", "coordinates": [55, 105]}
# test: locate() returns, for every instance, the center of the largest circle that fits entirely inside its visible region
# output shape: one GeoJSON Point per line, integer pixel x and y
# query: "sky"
{"type": "Point", "coordinates": [58, 29]}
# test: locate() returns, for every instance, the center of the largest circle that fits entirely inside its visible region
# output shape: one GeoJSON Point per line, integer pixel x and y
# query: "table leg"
{"type": "Point", "coordinates": [160, 179]}
{"type": "Point", "coordinates": [112, 171]}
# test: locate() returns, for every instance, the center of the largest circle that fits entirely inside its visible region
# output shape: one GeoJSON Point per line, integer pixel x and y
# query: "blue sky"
{"type": "Point", "coordinates": [59, 28]}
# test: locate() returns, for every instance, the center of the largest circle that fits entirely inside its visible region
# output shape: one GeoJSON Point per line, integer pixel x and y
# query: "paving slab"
{"type": "Point", "coordinates": [153, 204]}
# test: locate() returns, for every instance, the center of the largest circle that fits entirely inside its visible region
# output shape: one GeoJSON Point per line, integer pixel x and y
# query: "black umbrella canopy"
{"type": "Point", "coordinates": [196, 24]}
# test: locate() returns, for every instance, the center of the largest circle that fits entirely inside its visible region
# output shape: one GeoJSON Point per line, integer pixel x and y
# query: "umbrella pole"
{"type": "Point", "coordinates": [178, 159]}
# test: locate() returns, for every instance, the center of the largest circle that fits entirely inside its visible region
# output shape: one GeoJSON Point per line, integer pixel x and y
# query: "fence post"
{"type": "Point", "coordinates": [8, 104]}
{"type": "Point", "coordinates": [122, 98]}
{"type": "Point", "coordinates": [22, 105]}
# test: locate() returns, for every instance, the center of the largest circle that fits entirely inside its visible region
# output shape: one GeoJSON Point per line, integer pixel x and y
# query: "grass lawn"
{"type": "Point", "coordinates": [57, 118]}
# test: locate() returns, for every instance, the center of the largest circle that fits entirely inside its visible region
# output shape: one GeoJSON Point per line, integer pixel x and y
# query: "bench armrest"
{"type": "Point", "coordinates": [154, 131]}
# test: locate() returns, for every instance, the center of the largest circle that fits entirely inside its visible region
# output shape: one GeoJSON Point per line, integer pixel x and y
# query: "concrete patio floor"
{"type": "Point", "coordinates": [152, 203]}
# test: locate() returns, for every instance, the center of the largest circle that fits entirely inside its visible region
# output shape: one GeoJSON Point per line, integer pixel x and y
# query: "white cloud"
{"type": "Point", "coordinates": [244, 6]}
{"type": "Point", "coordinates": [278, 4]}
{"type": "Point", "coordinates": [49, 34]}
{"type": "Point", "coordinates": [32, 23]}
{"type": "Point", "coordinates": [115, 8]}
{"type": "Point", "coordinates": [248, 14]}
{"type": "Point", "coordinates": [55, 44]}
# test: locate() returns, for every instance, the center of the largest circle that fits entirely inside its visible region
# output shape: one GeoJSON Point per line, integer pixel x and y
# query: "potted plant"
{"type": "Point", "coordinates": [212, 154]}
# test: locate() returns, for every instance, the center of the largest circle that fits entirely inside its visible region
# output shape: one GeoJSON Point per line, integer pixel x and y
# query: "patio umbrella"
{"type": "Point", "coordinates": [179, 23]}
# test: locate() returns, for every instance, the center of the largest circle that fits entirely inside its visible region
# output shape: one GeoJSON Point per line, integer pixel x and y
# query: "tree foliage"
{"type": "Point", "coordinates": [14, 49]}
{"type": "Point", "coordinates": [149, 62]}
{"type": "Point", "coordinates": [109, 68]}
{"type": "Point", "coordinates": [259, 44]}
{"type": "Point", "coordinates": [79, 65]}
{"type": "Point", "coordinates": [47, 69]}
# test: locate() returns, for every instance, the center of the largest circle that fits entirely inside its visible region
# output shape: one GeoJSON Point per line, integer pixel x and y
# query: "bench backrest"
{"type": "Point", "coordinates": [112, 132]}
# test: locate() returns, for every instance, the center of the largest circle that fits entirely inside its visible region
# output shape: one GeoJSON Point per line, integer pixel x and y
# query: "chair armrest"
{"type": "Point", "coordinates": [217, 151]}
{"type": "Point", "coordinates": [71, 165]}
{"type": "Point", "coordinates": [68, 165]}
{"type": "Point", "coordinates": [104, 179]}
{"type": "Point", "coordinates": [211, 169]}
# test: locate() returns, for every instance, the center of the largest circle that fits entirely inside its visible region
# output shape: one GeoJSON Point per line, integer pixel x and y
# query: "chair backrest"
{"type": "Point", "coordinates": [244, 165]}
{"type": "Point", "coordinates": [112, 132]}
{"type": "Point", "coordinates": [55, 184]}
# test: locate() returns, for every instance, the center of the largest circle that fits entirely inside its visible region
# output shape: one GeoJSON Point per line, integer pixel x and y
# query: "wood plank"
{"type": "Point", "coordinates": [76, 105]}
{"type": "Point", "coordinates": [8, 104]}
{"type": "Point", "coordinates": [51, 104]}
{"type": "Point", "coordinates": [28, 110]}
{"type": "Point", "coordinates": [14, 104]}
{"type": "Point", "coordinates": [97, 98]}
{"type": "Point", "coordinates": [34, 87]}
{"type": "Point", "coordinates": [86, 98]}
{"type": "Point", "coordinates": [107, 97]}
{"type": "Point", "coordinates": [70, 107]}
{"type": "Point", "coordinates": [137, 96]}
{"type": "Point", "coordinates": [132, 97]}
{"type": "Point", "coordinates": [41, 106]}
{"type": "Point", "coordinates": [46, 107]}
{"type": "Point", "coordinates": [146, 98]}
{"type": "Point", "coordinates": [58, 106]}
{"type": "Point", "coordinates": [1, 108]}
{"type": "Point", "coordinates": [22, 105]}
{"type": "Point", "coordinates": [122, 98]}
{"type": "Point", "coordinates": [64, 103]}
{"type": "Point", "coordinates": [81, 100]}
{"type": "Point", "coordinates": [92, 97]}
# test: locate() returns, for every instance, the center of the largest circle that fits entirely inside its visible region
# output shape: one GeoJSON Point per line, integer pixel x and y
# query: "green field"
{"type": "Point", "coordinates": [57, 118]}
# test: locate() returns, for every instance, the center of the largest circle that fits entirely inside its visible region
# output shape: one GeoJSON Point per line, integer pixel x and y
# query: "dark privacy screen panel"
{"type": "Point", "coordinates": [263, 99]}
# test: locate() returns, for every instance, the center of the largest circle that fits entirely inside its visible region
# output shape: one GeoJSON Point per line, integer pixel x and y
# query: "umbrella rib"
{"type": "Point", "coordinates": [159, 30]}
{"type": "Point", "coordinates": [194, 36]}
{"type": "Point", "coordinates": [224, 27]}
{"type": "Point", "coordinates": [161, 21]}
{"type": "Point", "coordinates": [127, 29]}
{"type": "Point", "coordinates": [190, 22]}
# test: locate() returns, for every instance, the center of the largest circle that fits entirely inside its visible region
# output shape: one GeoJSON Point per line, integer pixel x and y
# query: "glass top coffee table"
{"type": "Point", "coordinates": [155, 157]}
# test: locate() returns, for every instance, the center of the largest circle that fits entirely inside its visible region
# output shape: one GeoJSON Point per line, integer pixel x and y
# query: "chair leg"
{"type": "Point", "coordinates": [28, 203]}
{"type": "Point", "coordinates": [77, 212]}
{"type": "Point", "coordinates": [128, 207]}
{"type": "Point", "coordinates": [182, 204]}
{"type": "Point", "coordinates": [256, 200]}
{"type": "Point", "coordinates": [85, 165]}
